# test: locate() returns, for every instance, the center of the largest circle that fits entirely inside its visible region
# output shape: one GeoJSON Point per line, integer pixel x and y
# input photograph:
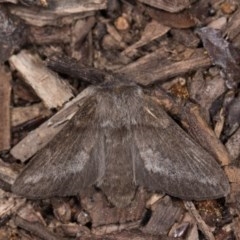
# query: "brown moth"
{"type": "Point", "coordinates": [118, 140]}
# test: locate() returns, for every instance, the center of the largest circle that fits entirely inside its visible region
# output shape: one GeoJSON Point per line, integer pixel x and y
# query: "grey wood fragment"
{"type": "Point", "coordinates": [168, 5]}
{"type": "Point", "coordinates": [233, 145]}
{"type": "Point", "coordinates": [156, 67]}
{"type": "Point", "coordinates": [5, 92]}
{"type": "Point", "coordinates": [19, 115]}
{"type": "Point", "coordinates": [163, 217]}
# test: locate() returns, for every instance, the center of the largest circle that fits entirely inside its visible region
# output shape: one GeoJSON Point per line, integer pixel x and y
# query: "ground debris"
{"type": "Point", "coordinates": [185, 56]}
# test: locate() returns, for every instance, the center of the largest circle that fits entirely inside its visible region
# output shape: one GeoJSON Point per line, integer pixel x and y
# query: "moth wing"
{"type": "Point", "coordinates": [68, 163]}
{"type": "Point", "coordinates": [171, 162]}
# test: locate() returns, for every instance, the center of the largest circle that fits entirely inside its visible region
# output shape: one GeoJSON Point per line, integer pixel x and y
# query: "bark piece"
{"type": "Point", "coordinates": [80, 30]}
{"type": "Point", "coordinates": [32, 221]}
{"type": "Point", "coordinates": [205, 90]}
{"type": "Point", "coordinates": [20, 115]}
{"type": "Point", "coordinates": [11, 1]}
{"type": "Point", "coordinates": [232, 115]}
{"type": "Point", "coordinates": [111, 228]}
{"type": "Point", "coordinates": [50, 34]}
{"type": "Point", "coordinates": [9, 206]}
{"type": "Point", "coordinates": [38, 138]}
{"type": "Point", "coordinates": [179, 230]}
{"type": "Point", "coordinates": [236, 227]}
{"type": "Point", "coordinates": [61, 210]}
{"type": "Point", "coordinates": [170, 6]}
{"type": "Point", "coordinates": [47, 17]}
{"type": "Point", "coordinates": [73, 230]}
{"type": "Point", "coordinates": [198, 128]}
{"type": "Point", "coordinates": [23, 93]}
{"type": "Point", "coordinates": [184, 19]}
{"type": "Point", "coordinates": [153, 199]}
{"type": "Point", "coordinates": [7, 173]}
{"type": "Point", "coordinates": [49, 87]}
{"type": "Point", "coordinates": [234, 198]}
{"type": "Point", "coordinates": [129, 234]}
{"type": "Point", "coordinates": [82, 217]}
{"type": "Point", "coordinates": [233, 145]}
{"type": "Point", "coordinates": [103, 214]}
{"type": "Point", "coordinates": [28, 3]}
{"type": "Point", "coordinates": [157, 67]}
{"type": "Point", "coordinates": [219, 23]}
{"type": "Point", "coordinates": [36, 229]}
{"type": "Point", "coordinates": [187, 228]}
{"type": "Point", "coordinates": [185, 37]}
{"type": "Point", "coordinates": [222, 53]}
{"type": "Point", "coordinates": [152, 31]}
{"type": "Point", "coordinates": [5, 92]}
{"type": "Point", "coordinates": [233, 174]}
{"type": "Point", "coordinates": [164, 215]}
{"type": "Point", "coordinates": [75, 6]}
{"type": "Point", "coordinates": [74, 69]}
{"type": "Point", "coordinates": [232, 28]}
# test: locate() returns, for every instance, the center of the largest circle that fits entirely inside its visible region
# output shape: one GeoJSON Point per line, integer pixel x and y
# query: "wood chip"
{"type": "Point", "coordinates": [48, 86]}
{"type": "Point", "coordinates": [170, 6]}
{"type": "Point", "coordinates": [163, 217]}
{"type": "Point", "coordinates": [128, 234]}
{"type": "Point", "coordinates": [203, 134]}
{"type": "Point", "coordinates": [5, 92]}
{"type": "Point", "coordinates": [234, 198]}
{"type": "Point", "coordinates": [10, 206]}
{"type": "Point", "coordinates": [73, 230]}
{"type": "Point", "coordinates": [180, 20]}
{"type": "Point", "coordinates": [232, 28]}
{"type": "Point", "coordinates": [236, 227]}
{"type": "Point", "coordinates": [233, 173]}
{"type": "Point", "coordinates": [36, 229]}
{"type": "Point", "coordinates": [153, 199]}
{"type": "Point", "coordinates": [233, 145]}
{"type": "Point", "coordinates": [102, 230]}
{"type": "Point", "coordinates": [49, 34]}
{"type": "Point", "coordinates": [155, 67]}
{"type": "Point", "coordinates": [152, 31]}
{"type": "Point", "coordinates": [187, 228]}
{"type": "Point", "coordinates": [46, 17]}
{"type": "Point", "coordinates": [219, 23]}
{"type": "Point", "coordinates": [121, 23]}
{"type": "Point", "coordinates": [205, 90]}
{"type": "Point", "coordinates": [11, 1]}
{"type": "Point", "coordinates": [185, 37]}
{"type": "Point", "coordinates": [61, 7]}
{"type": "Point", "coordinates": [7, 173]}
{"type": "Point", "coordinates": [103, 215]}
{"type": "Point", "coordinates": [20, 115]}
{"type": "Point", "coordinates": [79, 32]}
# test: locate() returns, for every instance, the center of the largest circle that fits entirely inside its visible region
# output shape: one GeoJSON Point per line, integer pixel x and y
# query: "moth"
{"type": "Point", "coordinates": [120, 139]}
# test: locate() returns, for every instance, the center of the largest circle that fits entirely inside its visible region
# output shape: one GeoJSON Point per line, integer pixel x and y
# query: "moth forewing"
{"type": "Point", "coordinates": [170, 158]}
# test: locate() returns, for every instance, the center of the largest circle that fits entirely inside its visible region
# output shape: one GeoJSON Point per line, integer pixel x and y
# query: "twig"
{"type": "Point", "coordinates": [201, 224]}
{"type": "Point", "coordinates": [37, 229]}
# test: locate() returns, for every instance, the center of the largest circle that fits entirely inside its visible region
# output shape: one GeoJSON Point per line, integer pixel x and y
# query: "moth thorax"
{"type": "Point", "coordinates": [120, 108]}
